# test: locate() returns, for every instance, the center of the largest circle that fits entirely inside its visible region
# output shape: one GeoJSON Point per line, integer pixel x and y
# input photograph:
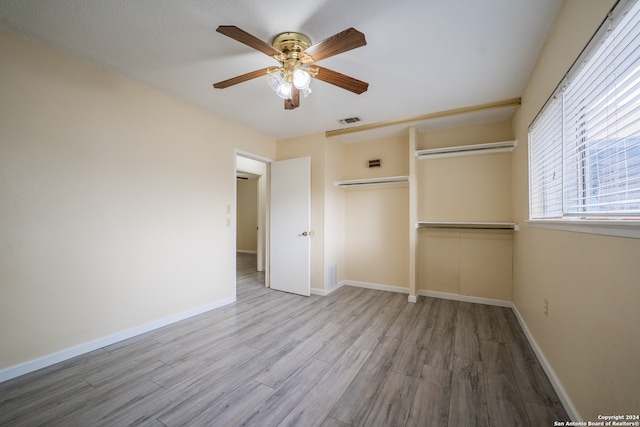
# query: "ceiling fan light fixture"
{"type": "Point", "coordinates": [275, 79]}
{"type": "Point", "coordinates": [284, 90]}
{"type": "Point", "coordinates": [301, 78]}
{"type": "Point", "coordinates": [297, 57]}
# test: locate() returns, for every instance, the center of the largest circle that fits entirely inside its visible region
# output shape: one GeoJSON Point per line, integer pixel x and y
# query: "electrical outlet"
{"type": "Point", "coordinates": [546, 307]}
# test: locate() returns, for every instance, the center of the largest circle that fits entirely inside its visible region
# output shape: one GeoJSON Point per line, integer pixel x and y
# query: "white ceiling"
{"type": "Point", "coordinates": [422, 56]}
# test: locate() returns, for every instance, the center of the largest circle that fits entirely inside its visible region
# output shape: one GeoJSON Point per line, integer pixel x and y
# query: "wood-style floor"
{"type": "Point", "coordinates": [357, 357]}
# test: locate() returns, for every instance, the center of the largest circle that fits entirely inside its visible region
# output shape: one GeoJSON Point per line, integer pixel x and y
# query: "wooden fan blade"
{"type": "Point", "coordinates": [338, 43]}
{"type": "Point", "coordinates": [294, 102]}
{"type": "Point", "coordinates": [242, 78]}
{"type": "Point", "coordinates": [246, 38]}
{"type": "Point", "coordinates": [341, 80]}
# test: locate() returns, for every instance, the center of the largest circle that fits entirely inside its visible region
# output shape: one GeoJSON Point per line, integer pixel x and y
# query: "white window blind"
{"type": "Point", "coordinates": [545, 157]}
{"type": "Point", "coordinates": [585, 144]}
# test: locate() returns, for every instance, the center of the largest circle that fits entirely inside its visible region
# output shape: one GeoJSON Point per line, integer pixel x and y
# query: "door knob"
{"type": "Point", "coordinates": [306, 233]}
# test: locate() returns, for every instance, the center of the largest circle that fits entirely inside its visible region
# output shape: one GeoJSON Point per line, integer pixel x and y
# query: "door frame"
{"type": "Point", "coordinates": [263, 208]}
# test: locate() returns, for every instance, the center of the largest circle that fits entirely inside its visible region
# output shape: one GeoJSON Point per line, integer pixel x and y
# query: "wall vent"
{"type": "Point", "coordinates": [349, 120]}
{"type": "Point", "coordinates": [332, 277]}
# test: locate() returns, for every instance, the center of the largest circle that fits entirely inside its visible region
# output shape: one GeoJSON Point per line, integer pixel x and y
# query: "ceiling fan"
{"type": "Point", "coordinates": [297, 58]}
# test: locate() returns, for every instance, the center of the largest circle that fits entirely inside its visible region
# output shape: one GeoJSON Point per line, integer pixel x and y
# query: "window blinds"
{"type": "Point", "coordinates": [585, 145]}
{"type": "Point", "coordinates": [545, 157]}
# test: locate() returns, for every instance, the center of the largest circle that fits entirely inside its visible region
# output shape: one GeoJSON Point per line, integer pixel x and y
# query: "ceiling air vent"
{"type": "Point", "coordinates": [349, 120]}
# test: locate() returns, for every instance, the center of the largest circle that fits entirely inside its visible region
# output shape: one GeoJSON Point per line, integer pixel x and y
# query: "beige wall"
{"type": "Point", "coordinates": [473, 188]}
{"type": "Point", "coordinates": [377, 217]}
{"type": "Point", "coordinates": [361, 231]}
{"type": "Point", "coordinates": [591, 336]}
{"type": "Point", "coordinates": [113, 207]}
{"type": "Point", "coordinates": [247, 215]}
{"type": "Point", "coordinates": [334, 208]}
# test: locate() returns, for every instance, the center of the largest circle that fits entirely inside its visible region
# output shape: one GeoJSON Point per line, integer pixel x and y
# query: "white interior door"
{"type": "Point", "coordinates": [290, 222]}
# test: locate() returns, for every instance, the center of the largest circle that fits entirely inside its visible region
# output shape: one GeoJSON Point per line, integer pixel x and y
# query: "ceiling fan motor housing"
{"type": "Point", "coordinates": [291, 44]}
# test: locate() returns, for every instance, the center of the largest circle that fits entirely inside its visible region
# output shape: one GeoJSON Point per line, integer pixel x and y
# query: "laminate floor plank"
{"type": "Point", "coordinates": [487, 322]}
{"type": "Point", "coordinates": [190, 395]}
{"type": "Point", "coordinates": [414, 347]}
{"type": "Point", "coordinates": [278, 405]}
{"type": "Point", "coordinates": [352, 357]}
{"type": "Point", "coordinates": [504, 402]}
{"type": "Point", "coordinates": [466, 337]}
{"type": "Point", "coordinates": [381, 321]}
{"type": "Point", "coordinates": [532, 381]}
{"type": "Point", "coordinates": [22, 408]}
{"type": "Point", "coordinates": [225, 410]}
{"type": "Point", "coordinates": [315, 406]}
{"type": "Point", "coordinates": [278, 372]}
{"type": "Point", "coordinates": [106, 402]}
{"type": "Point", "coordinates": [354, 405]}
{"type": "Point", "coordinates": [468, 404]}
{"type": "Point", "coordinates": [330, 422]}
{"type": "Point", "coordinates": [433, 396]}
{"type": "Point", "coordinates": [441, 346]}
{"type": "Point", "coordinates": [393, 404]}
{"type": "Point", "coordinates": [401, 326]}
{"type": "Point", "coordinates": [338, 344]}
{"type": "Point", "coordinates": [542, 415]}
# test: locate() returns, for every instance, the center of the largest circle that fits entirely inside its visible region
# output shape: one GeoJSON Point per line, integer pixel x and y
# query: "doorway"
{"type": "Point", "coordinates": [251, 210]}
{"type": "Point", "coordinates": [283, 230]}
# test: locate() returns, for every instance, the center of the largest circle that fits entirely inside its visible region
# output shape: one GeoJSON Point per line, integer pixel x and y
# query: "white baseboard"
{"type": "Point", "coordinates": [60, 356]}
{"type": "Point", "coordinates": [376, 286]}
{"type": "Point", "coordinates": [246, 251]}
{"type": "Point", "coordinates": [466, 298]}
{"type": "Point", "coordinates": [326, 292]}
{"type": "Point", "coordinates": [555, 381]}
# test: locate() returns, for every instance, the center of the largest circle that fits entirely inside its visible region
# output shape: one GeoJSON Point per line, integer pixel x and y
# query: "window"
{"type": "Point", "coordinates": [584, 146]}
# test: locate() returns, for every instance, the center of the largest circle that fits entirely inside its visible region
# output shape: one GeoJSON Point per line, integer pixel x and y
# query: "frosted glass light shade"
{"type": "Point", "coordinates": [276, 79]}
{"type": "Point", "coordinates": [284, 91]}
{"type": "Point", "coordinates": [301, 78]}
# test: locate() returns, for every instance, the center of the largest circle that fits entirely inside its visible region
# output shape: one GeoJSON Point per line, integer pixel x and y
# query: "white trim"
{"type": "Point", "coordinates": [50, 359]}
{"type": "Point", "coordinates": [618, 228]}
{"type": "Point", "coordinates": [376, 286]}
{"type": "Point", "coordinates": [466, 298]}
{"type": "Point", "coordinates": [467, 150]}
{"type": "Point", "coordinates": [252, 156]}
{"type": "Point", "coordinates": [247, 251]}
{"type": "Point", "coordinates": [553, 378]}
{"type": "Point", "coordinates": [412, 298]}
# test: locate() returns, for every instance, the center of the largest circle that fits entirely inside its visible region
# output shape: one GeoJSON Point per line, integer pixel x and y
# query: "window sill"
{"type": "Point", "coordinates": [618, 228]}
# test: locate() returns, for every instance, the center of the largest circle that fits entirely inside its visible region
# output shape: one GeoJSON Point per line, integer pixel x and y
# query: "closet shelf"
{"type": "Point", "coordinates": [372, 181]}
{"type": "Point", "coordinates": [468, 225]}
{"type": "Point", "coordinates": [467, 150]}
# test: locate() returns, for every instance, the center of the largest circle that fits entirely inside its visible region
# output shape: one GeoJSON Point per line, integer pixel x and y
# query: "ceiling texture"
{"type": "Point", "coordinates": [421, 57]}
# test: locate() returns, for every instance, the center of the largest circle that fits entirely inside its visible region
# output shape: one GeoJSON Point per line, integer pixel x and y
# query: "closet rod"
{"type": "Point", "coordinates": [468, 225]}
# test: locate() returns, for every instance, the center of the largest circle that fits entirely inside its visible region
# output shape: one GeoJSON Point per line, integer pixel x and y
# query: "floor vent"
{"type": "Point", "coordinates": [349, 120]}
